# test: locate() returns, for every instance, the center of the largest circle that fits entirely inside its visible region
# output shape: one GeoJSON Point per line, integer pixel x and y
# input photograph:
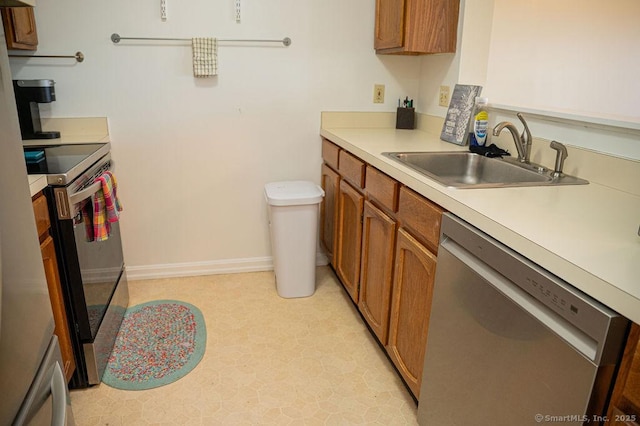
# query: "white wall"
{"type": "Point", "coordinates": [468, 65]}
{"type": "Point", "coordinates": [578, 56]}
{"type": "Point", "coordinates": [569, 66]}
{"type": "Point", "coordinates": [193, 155]}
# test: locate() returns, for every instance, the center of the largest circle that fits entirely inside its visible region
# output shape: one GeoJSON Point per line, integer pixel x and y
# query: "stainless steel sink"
{"type": "Point", "coordinates": [468, 170]}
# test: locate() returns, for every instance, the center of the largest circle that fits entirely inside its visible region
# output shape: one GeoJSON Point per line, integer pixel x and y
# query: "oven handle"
{"type": "Point", "coordinates": [76, 197]}
{"type": "Point", "coordinates": [66, 202]}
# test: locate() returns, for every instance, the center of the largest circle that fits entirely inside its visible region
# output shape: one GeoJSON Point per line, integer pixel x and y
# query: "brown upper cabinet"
{"type": "Point", "coordinates": [20, 28]}
{"type": "Point", "coordinates": [414, 27]}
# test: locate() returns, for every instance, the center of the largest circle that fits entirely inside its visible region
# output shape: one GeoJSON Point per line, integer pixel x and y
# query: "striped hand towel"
{"type": "Point", "coordinates": [205, 56]}
{"type": "Point", "coordinates": [106, 207]}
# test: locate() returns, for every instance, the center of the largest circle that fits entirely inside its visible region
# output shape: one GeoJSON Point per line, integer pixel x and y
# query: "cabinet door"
{"type": "Point", "coordinates": [618, 418]}
{"type": "Point", "coordinates": [20, 28]}
{"type": "Point", "coordinates": [330, 182]}
{"type": "Point", "coordinates": [57, 304]}
{"type": "Point", "coordinates": [625, 401]}
{"type": "Point", "coordinates": [349, 238]}
{"type": "Point", "coordinates": [378, 244]}
{"type": "Point", "coordinates": [389, 24]}
{"type": "Point", "coordinates": [414, 274]}
{"type": "Point", "coordinates": [416, 27]}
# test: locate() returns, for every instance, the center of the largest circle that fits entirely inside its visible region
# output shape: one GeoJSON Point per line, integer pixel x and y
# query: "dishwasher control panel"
{"type": "Point", "coordinates": [552, 294]}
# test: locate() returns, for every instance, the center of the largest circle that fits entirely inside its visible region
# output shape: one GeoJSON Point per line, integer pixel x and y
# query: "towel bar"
{"type": "Point", "coordinates": [79, 56]}
{"type": "Point", "coordinates": [115, 37]}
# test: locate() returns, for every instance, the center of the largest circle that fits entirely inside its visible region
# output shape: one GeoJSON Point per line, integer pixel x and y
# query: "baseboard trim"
{"type": "Point", "coordinates": [212, 267]}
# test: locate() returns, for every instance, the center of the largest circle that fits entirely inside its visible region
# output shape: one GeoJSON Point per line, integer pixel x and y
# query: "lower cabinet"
{"type": "Point", "coordinates": [330, 181]}
{"type": "Point", "coordinates": [415, 268]}
{"type": "Point", "coordinates": [624, 409]}
{"type": "Point", "coordinates": [349, 238]}
{"type": "Point", "coordinates": [54, 285]}
{"type": "Point", "coordinates": [57, 304]}
{"type": "Point", "coordinates": [382, 238]}
{"type": "Point", "coordinates": [376, 270]}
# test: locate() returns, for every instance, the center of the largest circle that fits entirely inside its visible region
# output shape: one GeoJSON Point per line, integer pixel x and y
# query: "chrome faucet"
{"type": "Point", "coordinates": [522, 141]}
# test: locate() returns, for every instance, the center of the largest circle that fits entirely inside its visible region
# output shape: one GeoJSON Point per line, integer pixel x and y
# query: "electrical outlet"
{"type": "Point", "coordinates": [378, 93]}
{"type": "Point", "coordinates": [443, 100]}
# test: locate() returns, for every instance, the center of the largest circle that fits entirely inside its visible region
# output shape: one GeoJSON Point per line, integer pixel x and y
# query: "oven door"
{"type": "Point", "coordinates": [91, 268]}
{"type": "Point", "coordinates": [100, 263]}
{"type": "Point", "coordinates": [92, 273]}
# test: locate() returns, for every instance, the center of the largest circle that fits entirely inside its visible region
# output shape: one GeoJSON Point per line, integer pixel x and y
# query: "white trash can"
{"type": "Point", "coordinates": [293, 225]}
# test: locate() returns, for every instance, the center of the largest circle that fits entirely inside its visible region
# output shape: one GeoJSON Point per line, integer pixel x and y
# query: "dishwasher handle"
{"type": "Point", "coordinates": [568, 332]}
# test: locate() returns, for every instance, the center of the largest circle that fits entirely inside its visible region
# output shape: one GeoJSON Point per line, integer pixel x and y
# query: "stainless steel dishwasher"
{"type": "Point", "coordinates": [511, 344]}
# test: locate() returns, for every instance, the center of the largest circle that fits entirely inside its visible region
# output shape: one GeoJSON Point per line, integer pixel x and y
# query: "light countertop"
{"type": "Point", "coordinates": [72, 131]}
{"type": "Point", "coordinates": [585, 234]}
{"type": "Point", "coordinates": [37, 183]}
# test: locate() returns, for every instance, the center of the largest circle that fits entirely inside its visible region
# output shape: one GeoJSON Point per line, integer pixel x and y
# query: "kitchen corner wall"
{"type": "Point", "coordinates": [569, 66]}
{"type": "Point", "coordinates": [193, 155]}
{"type": "Point", "coordinates": [468, 65]}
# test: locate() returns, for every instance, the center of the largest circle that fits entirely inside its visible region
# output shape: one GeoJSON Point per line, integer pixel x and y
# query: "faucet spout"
{"type": "Point", "coordinates": [516, 137]}
{"type": "Point", "coordinates": [522, 141]}
{"type": "Point", "coordinates": [525, 137]}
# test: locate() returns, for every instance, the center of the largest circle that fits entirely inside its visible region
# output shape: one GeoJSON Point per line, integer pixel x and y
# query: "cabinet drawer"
{"type": "Point", "coordinates": [383, 188]}
{"type": "Point", "coordinates": [351, 168]}
{"type": "Point", "coordinates": [421, 217]}
{"type": "Point", "coordinates": [330, 153]}
{"type": "Point", "coordinates": [41, 213]}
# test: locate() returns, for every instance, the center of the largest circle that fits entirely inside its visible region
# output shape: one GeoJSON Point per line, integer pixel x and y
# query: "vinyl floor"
{"type": "Point", "coordinates": [268, 361]}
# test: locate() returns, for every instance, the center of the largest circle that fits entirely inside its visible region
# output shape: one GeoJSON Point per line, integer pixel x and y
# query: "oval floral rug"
{"type": "Point", "coordinates": [158, 343]}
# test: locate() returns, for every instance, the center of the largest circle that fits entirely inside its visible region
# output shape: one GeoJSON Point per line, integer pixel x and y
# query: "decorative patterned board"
{"type": "Point", "coordinates": [456, 123]}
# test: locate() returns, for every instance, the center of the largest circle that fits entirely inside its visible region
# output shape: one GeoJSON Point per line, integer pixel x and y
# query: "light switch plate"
{"type": "Point", "coordinates": [378, 93]}
{"type": "Point", "coordinates": [443, 99]}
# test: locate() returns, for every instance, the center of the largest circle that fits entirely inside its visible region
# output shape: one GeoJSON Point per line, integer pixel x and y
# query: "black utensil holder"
{"type": "Point", "coordinates": [406, 118]}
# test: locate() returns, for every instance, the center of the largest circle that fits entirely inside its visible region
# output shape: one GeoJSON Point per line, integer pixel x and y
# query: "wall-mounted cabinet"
{"type": "Point", "coordinates": [20, 28]}
{"type": "Point", "coordinates": [414, 27]}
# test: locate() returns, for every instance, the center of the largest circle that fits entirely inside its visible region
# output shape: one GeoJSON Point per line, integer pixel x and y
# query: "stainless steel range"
{"type": "Point", "coordinates": [92, 272]}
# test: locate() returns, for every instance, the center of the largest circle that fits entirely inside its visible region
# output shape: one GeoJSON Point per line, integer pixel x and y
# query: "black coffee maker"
{"type": "Point", "coordinates": [28, 94]}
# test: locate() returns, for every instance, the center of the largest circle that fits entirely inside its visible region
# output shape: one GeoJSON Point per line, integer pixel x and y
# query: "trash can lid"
{"type": "Point", "coordinates": [293, 193]}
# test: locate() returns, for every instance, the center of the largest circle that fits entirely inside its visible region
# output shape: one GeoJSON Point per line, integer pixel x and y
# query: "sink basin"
{"type": "Point", "coordinates": [469, 170]}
